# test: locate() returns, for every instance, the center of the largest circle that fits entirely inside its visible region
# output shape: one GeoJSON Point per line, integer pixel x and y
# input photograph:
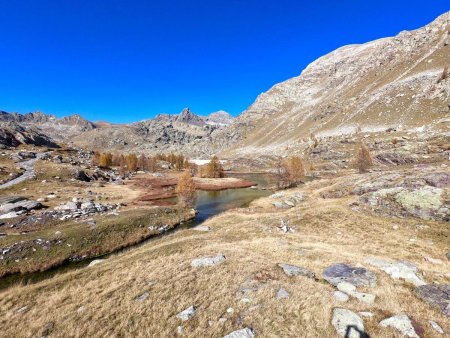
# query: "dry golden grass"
{"type": "Point", "coordinates": [101, 300]}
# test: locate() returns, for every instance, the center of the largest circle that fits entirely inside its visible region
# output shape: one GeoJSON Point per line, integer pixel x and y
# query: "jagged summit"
{"type": "Point", "coordinates": [186, 116]}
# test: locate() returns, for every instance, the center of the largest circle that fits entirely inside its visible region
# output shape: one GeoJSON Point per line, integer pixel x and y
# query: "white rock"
{"type": "Point", "coordinates": [244, 333]}
{"type": "Point", "coordinates": [398, 270]}
{"type": "Point", "coordinates": [434, 261]}
{"type": "Point", "coordinates": [340, 296]}
{"type": "Point", "coordinates": [402, 323]}
{"type": "Point", "coordinates": [202, 228]}
{"type": "Point", "coordinates": [230, 310]}
{"type": "Point", "coordinates": [347, 323]}
{"type": "Point", "coordinates": [208, 261]}
{"type": "Point", "coordinates": [8, 215]}
{"type": "Point", "coordinates": [350, 290]}
{"type": "Point", "coordinates": [95, 262]}
{"type": "Point", "coordinates": [436, 327]}
{"type": "Point", "coordinates": [187, 314]}
{"type": "Point", "coordinates": [366, 314]}
{"type": "Point", "coordinates": [143, 297]}
{"type": "Point", "coordinates": [282, 293]}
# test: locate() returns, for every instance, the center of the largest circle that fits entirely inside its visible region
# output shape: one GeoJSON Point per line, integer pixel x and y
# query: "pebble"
{"type": "Point", "coordinates": [243, 333]}
{"type": "Point", "coordinates": [143, 297]}
{"type": "Point", "coordinates": [436, 327]}
{"type": "Point", "coordinates": [187, 314]}
{"type": "Point", "coordinates": [282, 293]}
{"type": "Point", "coordinates": [340, 296]}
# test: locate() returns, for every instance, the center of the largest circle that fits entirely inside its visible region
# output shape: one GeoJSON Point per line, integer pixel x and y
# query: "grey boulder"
{"type": "Point", "coordinates": [436, 295]}
{"type": "Point", "coordinates": [208, 261]}
{"type": "Point", "coordinates": [348, 324]}
{"type": "Point", "coordinates": [340, 272]}
{"type": "Point", "coordinates": [401, 323]}
{"type": "Point", "coordinates": [292, 270]}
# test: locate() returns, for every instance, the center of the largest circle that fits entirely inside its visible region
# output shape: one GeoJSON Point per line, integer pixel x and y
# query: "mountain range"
{"type": "Point", "coordinates": [400, 82]}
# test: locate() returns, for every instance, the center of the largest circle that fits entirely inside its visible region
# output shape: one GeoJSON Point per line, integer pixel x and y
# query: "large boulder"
{"type": "Point", "coordinates": [398, 270]}
{"type": "Point", "coordinates": [340, 272]}
{"type": "Point", "coordinates": [292, 270]}
{"type": "Point", "coordinates": [80, 175]}
{"type": "Point", "coordinates": [348, 324]}
{"type": "Point", "coordinates": [401, 323]}
{"type": "Point", "coordinates": [436, 295]}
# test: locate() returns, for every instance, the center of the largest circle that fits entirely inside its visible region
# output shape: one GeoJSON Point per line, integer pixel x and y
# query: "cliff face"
{"type": "Point", "coordinates": [392, 82]}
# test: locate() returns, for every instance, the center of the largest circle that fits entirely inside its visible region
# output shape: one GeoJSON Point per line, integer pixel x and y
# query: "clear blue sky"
{"type": "Point", "coordinates": [129, 60]}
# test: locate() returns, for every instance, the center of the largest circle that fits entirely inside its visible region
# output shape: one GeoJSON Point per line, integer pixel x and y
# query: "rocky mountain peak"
{"type": "Point", "coordinates": [186, 116]}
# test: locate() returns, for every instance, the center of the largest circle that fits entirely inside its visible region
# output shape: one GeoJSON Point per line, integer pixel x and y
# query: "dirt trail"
{"type": "Point", "coordinates": [28, 166]}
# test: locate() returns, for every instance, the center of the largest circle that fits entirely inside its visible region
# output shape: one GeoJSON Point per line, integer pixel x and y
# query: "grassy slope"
{"type": "Point", "coordinates": [100, 300]}
{"type": "Point", "coordinates": [80, 239]}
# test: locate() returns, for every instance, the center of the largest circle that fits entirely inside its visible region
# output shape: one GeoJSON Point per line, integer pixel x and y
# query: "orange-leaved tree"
{"type": "Point", "coordinates": [186, 190]}
{"type": "Point", "coordinates": [363, 159]}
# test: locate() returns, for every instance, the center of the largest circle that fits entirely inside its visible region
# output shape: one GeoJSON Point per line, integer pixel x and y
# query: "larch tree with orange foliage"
{"type": "Point", "coordinates": [186, 190]}
{"type": "Point", "coordinates": [363, 160]}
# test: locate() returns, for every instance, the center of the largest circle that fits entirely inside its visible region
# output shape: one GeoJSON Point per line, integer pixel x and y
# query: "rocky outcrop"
{"type": "Point", "coordinates": [427, 202]}
{"type": "Point", "coordinates": [421, 194]}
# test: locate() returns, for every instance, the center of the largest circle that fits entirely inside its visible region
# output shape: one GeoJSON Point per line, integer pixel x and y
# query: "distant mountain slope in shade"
{"type": "Point", "coordinates": [59, 129]}
{"type": "Point", "coordinates": [391, 82]}
{"type": "Point", "coordinates": [184, 132]}
{"type": "Point", "coordinates": [13, 134]}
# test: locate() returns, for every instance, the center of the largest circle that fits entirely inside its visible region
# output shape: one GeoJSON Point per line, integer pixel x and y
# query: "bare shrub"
{"type": "Point", "coordinates": [444, 74]}
{"type": "Point", "coordinates": [363, 160]}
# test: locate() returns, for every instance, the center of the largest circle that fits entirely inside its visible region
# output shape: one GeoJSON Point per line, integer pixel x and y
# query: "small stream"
{"type": "Point", "coordinates": [208, 204]}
